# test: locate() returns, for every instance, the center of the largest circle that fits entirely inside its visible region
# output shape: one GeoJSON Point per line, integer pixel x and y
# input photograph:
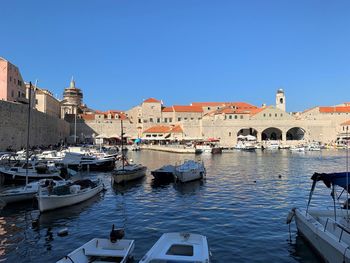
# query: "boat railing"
{"type": "Point", "coordinates": [342, 228]}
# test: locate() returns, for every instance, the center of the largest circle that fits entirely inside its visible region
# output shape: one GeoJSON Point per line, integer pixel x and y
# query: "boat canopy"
{"type": "Point", "coordinates": [329, 179]}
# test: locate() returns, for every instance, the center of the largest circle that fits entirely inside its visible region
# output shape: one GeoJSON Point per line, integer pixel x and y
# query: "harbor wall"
{"type": "Point", "coordinates": [44, 129]}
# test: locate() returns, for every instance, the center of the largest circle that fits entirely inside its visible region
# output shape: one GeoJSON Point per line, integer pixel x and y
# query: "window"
{"type": "Point", "coordinates": [229, 134]}
{"type": "Point", "coordinates": [36, 102]}
{"type": "Point", "coordinates": [191, 119]}
{"type": "Point", "coordinates": [270, 115]}
{"type": "Point", "coordinates": [158, 120]}
{"type": "Point", "coordinates": [185, 119]}
{"type": "Point", "coordinates": [165, 119]}
{"type": "Point", "coordinates": [150, 119]}
{"type": "Point", "coordinates": [208, 108]}
{"type": "Point", "coordinates": [144, 121]}
{"type": "Point", "coordinates": [236, 117]}
{"type": "Point", "coordinates": [139, 121]}
{"type": "Point", "coordinates": [10, 79]}
{"type": "Point", "coordinates": [281, 114]}
{"type": "Point", "coordinates": [275, 114]}
{"type": "Point", "coordinates": [241, 116]}
{"type": "Point", "coordinates": [230, 117]}
{"type": "Point", "coordinates": [170, 119]}
{"type": "Point", "coordinates": [179, 119]}
{"type": "Point", "coordinates": [264, 114]}
{"type": "Point", "coordinates": [19, 94]}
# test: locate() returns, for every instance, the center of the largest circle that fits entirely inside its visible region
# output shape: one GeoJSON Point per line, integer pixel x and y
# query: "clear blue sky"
{"type": "Point", "coordinates": [180, 51]}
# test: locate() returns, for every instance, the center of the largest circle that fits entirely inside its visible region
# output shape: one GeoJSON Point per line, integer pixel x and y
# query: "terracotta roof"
{"type": "Point", "coordinates": [168, 109]}
{"type": "Point", "coordinates": [340, 109]}
{"type": "Point", "coordinates": [152, 100]}
{"type": "Point", "coordinates": [238, 105]}
{"type": "Point", "coordinates": [178, 108]}
{"type": "Point", "coordinates": [256, 111]}
{"type": "Point", "coordinates": [87, 117]}
{"type": "Point", "coordinates": [164, 129]}
{"type": "Point", "coordinates": [345, 123]}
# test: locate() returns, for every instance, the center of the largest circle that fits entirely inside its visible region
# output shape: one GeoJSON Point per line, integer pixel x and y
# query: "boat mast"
{"type": "Point", "coordinates": [347, 172]}
{"type": "Point", "coordinates": [28, 129]}
{"type": "Point", "coordinates": [121, 128]}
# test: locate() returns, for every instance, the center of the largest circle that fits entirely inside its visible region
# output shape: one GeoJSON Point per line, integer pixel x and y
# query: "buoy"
{"type": "Point", "coordinates": [63, 232]}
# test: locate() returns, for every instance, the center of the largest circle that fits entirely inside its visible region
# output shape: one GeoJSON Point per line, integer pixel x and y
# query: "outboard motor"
{"type": "Point", "coordinates": [116, 234]}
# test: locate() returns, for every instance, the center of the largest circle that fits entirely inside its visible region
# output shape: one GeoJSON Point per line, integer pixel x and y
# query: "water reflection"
{"type": "Point", "coordinates": [189, 188]}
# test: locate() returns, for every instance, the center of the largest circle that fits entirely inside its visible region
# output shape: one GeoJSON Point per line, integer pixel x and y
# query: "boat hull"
{"type": "Point", "coordinates": [123, 176]}
{"type": "Point", "coordinates": [17, 197]}
{"type": "Point", "coordinates": [51, 202]}
{"type": "Point", "coordinates": [326, 245]}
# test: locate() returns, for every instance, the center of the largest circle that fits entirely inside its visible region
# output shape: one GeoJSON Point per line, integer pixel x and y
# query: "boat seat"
{"type": "Point", "coordinates": [104, 252]}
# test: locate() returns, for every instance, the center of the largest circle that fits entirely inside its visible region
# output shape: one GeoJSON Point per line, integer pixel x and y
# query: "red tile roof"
{"type": "Point", "coordinates": [152, 100]}
{"type": "Point", "coordinates": [164, 129]}
{"type": "Point", "coordinates": [238, 105]}
{"type": "Point", "coordinates": [168, 109]}
{"type": "Point", "coordinates": [87, 117]}
{"type": "Point", "coordinates": [256, 111]}
{"type": "Point", "coordinates": [339, 109]}
{"type": "Point", "coordinates": [179, 108]}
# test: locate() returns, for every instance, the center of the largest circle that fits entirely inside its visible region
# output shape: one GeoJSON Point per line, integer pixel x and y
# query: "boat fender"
{"type": "Point", "coordinates": [63, 232]}
{"type": "Point", "coordinates": [290, 215]}
{"type": "Point", "coordinates": [116, 234]}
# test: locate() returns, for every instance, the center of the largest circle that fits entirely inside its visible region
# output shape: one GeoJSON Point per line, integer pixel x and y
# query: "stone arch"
{"type": "Point", "coordinates": [247, 131]}
{"type": "Point", "coordinates": [271, 133]}
{"type": "Point", "coordinates": [295, 133]}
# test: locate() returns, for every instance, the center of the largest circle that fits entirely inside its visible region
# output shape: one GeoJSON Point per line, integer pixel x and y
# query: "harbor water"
{"type": "Point", "coordinates": [241, 207]}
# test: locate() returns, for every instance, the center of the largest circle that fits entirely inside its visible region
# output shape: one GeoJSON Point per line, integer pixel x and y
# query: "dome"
{"type": "Point", "coordinates": [280, 91]}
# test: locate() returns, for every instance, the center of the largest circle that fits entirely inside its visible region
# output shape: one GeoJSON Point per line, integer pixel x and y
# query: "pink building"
{"type": "Point", "coordinates": [12, 87]}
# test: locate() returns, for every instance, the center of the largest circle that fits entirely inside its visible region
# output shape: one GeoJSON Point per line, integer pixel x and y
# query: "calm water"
{"type": "Point", "coordinates": [241, 207]}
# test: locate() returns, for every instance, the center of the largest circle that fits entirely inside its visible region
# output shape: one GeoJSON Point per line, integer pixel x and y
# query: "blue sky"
{"type": "Point", "coordinates": [121, 52]}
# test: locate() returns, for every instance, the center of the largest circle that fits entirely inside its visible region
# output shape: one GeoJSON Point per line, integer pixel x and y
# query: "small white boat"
{"type": "Point", "coordinates": [50, 198]}
{"type": "Point", "coordinates": [27, 192]}
{"type": "Point", "coordinates": [101, 250]}
{"type": "Point", "coordinates": [179, 247]}
{"type": "Point", "coordinates": [327, 230]}
{"type": "Point", "coordinates": [128, 172]}
{"type": "Point", "coordinates": [300, 149]}
{"type": "Point", "coordinates": [18, 194]}
{"type": "Point", "coordinates": [190, 170]}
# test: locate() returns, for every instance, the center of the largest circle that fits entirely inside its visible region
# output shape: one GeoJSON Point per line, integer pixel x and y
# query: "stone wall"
{"type": "Point", "coordinates": [44, 130]}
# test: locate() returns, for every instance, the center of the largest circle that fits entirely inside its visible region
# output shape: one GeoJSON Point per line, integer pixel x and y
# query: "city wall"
{"type": "Point", "coordinates": [44, 129]}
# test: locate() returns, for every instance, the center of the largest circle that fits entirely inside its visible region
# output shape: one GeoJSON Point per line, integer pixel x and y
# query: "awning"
{"type": "Point", "coordinates": [329, 179]}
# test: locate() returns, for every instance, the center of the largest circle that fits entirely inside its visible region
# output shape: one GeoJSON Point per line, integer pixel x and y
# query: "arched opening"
{"type": "Point", "coordinates": [295, 134]}
{"type": "Point", "coordinates": [271, 134]}
{"type": "Point", "coordinates": [247, 131]}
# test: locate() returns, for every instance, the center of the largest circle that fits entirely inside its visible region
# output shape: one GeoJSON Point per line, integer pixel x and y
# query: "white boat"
{"type": "Point", "coordinates": [300, 149]}
{"type": "Point", "coordinates": [272, 146]}
{"type": "Point", "coordinates": [327, 230]}
{"type": "Point", "coordinates": [180, 248]}
{"type": "Point", "coordinates": [190, 170]}
{"type": "Point", "coordinates": [29, 172]}
{"type": "Point", "coordinates": [101, 250]}
{"type": "Point", "coordinates": [23, 193]}
{"type": "Point", "coordinates": [68, 194]}
{"type": "Point", "coordinates": [128, 172]}
{"type": "Point", "coordinates": [18, 194]}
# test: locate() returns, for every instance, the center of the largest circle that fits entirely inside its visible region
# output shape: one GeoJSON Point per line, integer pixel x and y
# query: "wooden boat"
{"type": "Point", "coordinates": [50, 198]}
{"type": "Point", "coordinates": [179, 247]}
{"type": "Point", "coordinates": [101, 250]}
{"type": "Point", "coordinates": [190, 170]}
{"type": "Point", "coordinates": [164, 174]}
{"type": "Point", "coordinates": [128, 172]}
{"type": "Point", "coordinates": [327, 230]}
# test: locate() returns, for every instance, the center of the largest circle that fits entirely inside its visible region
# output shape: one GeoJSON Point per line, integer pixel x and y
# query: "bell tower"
{"type": "Point", "coordinates": [280, 100]}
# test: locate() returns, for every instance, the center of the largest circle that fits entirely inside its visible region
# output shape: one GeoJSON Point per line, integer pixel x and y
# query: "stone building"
{"type": "Point", "coordinates": [47, 103]}
{"type": "Point", "coordinates": [72, 100]}
{"type": "Point", "coordinates": [12, 87]}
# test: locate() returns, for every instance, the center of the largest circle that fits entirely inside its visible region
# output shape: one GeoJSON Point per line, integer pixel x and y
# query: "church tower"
{"type": "Point", "coordinates": [72, 99]}
{"type": "Point", "coordinates": [281, 100]}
